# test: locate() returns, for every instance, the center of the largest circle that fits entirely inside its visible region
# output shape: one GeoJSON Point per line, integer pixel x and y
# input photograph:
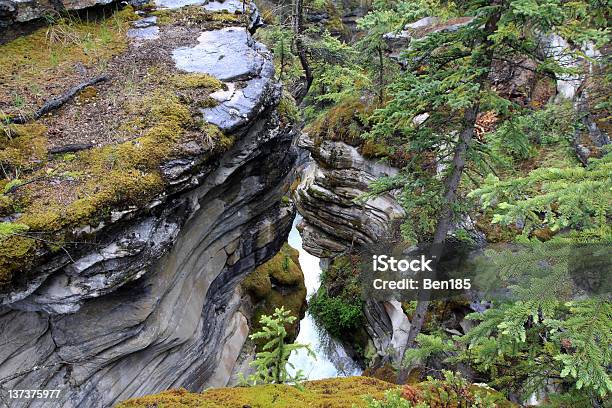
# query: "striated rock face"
{"type": "Point", "coordinates": [155, 303]}
{"type": "Point", "coordinates": [333, 220]}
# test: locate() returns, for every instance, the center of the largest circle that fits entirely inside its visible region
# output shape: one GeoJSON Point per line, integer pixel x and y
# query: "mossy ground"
{"type": "Point", "coordinates": [143, 116]}
{"type": "Point", "coordinates": [191, 15]}
{"type": "Point", "coordinates": [329, 393]}
{"type": "Point", "coordinates": [278, 282]}
{"type": "Point", "coordinates": [33, 67]}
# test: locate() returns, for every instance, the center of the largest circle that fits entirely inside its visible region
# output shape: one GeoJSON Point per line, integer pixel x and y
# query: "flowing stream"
{"type": "Point", "coordinates": [331, 358]}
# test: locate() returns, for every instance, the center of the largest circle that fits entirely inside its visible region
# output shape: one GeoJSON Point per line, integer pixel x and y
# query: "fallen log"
{"type": "Point", "coordinates": [71, 148]}
{"type": "Point", "coordinates": [56, 103]}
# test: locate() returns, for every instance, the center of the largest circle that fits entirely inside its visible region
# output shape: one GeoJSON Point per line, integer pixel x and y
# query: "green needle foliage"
{"type": "Point", "coordinates": [272, 363]}
{"type": "Point", "coordinates": [447, 77]}
{"type": "Point", "coordinates": [543, 336]}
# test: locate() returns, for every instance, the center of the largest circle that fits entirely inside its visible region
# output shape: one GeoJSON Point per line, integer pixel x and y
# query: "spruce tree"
{"type": "Point", "coordinates": [447, 77]}
{"type": "Point", "coordinates": [272, 362]}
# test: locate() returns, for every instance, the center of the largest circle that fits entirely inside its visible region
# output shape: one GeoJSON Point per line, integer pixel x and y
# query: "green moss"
{"type": "Point", "coordinates": [331, 393]}
{"type": "Point", "coordinates": [258, 284]}
{"type": "Point", "coordinates": [22, 147]}
{"type": "Point", "coordinates": [118, 175]}
{"type": "Point", "coordinates": [190, 81]}
{"type": "Point", "coordinates": [11, 228]}
{"type": "Point", "coordinates": [6, 205]}
{"type": "Point", "coordinates": [278, 282]}
{"type": "Point", "coordinates": [372, 150]}
{"type": "Point", "coordinates": [283, 269]}
{"type": "Point", "coordinates": [11, 247]}
{"type": "Point", "coordinates": [340, 123]}
{"type": "Point", "coordinates": [224, 16]}
{"type": "Point", "coordinates": [196, 15]}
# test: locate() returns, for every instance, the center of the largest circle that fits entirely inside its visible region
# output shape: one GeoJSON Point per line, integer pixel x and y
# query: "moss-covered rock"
{"type": "Point", "coordinates": [343, 122]}
{"type": "Point", "coordinates": [196, 80]}
{"type": "Point", "coordinates": [278, 282]}
{"type": "Point", "coordinates": [95, 181]}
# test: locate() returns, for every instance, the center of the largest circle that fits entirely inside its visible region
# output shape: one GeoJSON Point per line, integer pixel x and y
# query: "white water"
{"type": "Point", "coordinates": [331, 358]}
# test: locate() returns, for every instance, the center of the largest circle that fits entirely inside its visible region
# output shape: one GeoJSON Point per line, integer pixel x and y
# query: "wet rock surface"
{"type": "Point", "coordinates": [231, 55]}
{"type": "Point", "coordinates": [228, 54]}
{"type": "Point", "coordinates": [152, 303]}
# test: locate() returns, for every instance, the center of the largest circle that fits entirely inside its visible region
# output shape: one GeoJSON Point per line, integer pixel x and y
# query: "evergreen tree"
{"type": "Point", "coordinates": [447, 78]}
{"type": "Point", "coordinates": [271, 363]}
{"type": "Point", "coordinates": [576, 198]}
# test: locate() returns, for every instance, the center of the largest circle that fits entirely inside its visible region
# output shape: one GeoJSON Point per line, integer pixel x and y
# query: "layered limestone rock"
{"type": "Point", "coordinates": [329, 199]}
{"type": "Point", "coordinates": [151, 301]}
{"type": "Point", "coordinates": [335, 220]}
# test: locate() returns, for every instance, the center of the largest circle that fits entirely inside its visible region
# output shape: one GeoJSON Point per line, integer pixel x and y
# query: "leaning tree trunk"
{"type": "Point", "coordinates": [451, 185]}
{"type": "Point", "coordinates": [298, 29]}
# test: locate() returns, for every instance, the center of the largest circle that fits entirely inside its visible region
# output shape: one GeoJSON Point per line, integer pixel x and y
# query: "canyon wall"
{"type": "Point", "coordinates": [152, 301]}
{"type": "Point", "coordinates": [336, 219]}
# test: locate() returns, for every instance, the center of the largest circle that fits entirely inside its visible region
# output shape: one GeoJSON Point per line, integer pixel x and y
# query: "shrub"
{"type": "Point", "coordinates": [338, 306]}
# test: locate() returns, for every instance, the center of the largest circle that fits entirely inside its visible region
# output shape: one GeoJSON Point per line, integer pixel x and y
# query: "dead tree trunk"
{"type": "Point", "coordinates": [298, 29]}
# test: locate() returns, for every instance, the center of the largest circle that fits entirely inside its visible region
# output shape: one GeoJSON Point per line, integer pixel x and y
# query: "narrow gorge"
{"type": "Point", "coordinates": [177, 173]}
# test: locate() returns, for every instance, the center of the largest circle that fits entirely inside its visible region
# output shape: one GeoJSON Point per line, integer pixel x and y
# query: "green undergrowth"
{"type": "Point", "coordinates": [278, 282]}
{"type": "Point", "coordinates": [347, 122]}
{"type": "Point", "coordinates": [338, 304]}
{"type": "Point", "coordinates": [196, 15]}
{"type": "Point", "coordinates": [52, 197]}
